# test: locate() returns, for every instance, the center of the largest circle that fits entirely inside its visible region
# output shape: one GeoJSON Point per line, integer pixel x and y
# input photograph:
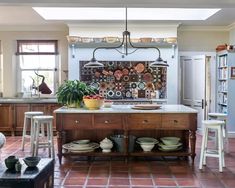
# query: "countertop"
{"type": "Point", "coordinates": [27, 100]}
{"type": "Point", "coordinates": [54, 100]}
{"type": "Point", "coordinates": [128, 109]}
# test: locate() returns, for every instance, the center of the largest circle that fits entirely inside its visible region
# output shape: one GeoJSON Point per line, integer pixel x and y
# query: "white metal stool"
{"type": "Point", "coordinates": [222, 117]}
{"type": "Point", "coordinates": [39, 122]}
{"type": "Point", "coordinates": [29, 116]}
{"type": "Point", "coordinates": [205, 152]}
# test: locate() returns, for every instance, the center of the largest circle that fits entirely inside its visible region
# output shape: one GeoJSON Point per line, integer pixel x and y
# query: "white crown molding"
{"type": "Point", "coordinates": [203, 28]}
{"type": "Point", "coordinates": [121, 25]}
{"type": "Point", "coordinates": [231, 26]}
{"type": "Point", "coordinates": [34, 27]}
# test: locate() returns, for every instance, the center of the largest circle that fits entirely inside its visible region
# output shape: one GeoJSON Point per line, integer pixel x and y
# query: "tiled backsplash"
{"type": "Point", "coordinates": [126, 79]}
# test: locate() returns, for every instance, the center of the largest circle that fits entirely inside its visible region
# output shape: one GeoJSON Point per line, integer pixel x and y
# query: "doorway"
{"type": "Point", "coordinates": [196, 84]}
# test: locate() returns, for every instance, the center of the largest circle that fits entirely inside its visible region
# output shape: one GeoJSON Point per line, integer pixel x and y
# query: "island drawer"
{"type": "Point", "coordinates": [175, 121]}
{"type": "Point", "coordinates": [143, 121]}
{"type": "Point", "coordinates": [76, 121]}
{"type": "Point", "coordinates": [108, 121]}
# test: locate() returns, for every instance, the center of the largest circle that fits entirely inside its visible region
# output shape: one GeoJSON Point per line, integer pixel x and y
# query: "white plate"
{"type": "Point", "coordinates": [176, 149]}
{"type": "Point", "coordinates": [76, 147]}
{"type": "Point", "coordinates": [170, 146]}
{"type": "Point", "coordinates": [81, 141]}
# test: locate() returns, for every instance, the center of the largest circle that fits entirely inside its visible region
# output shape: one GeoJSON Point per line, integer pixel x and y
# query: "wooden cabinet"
{"type": "Point", "coordinates": [12, 115]}
{"type": "Point", "coordinates": [6, 117]}
{"type": "Point", "coordinates": [146, 121]}
{"type": "Point", "coordinates": [97, 126]}
{"type": "Point", "coordinates": [20, 109]}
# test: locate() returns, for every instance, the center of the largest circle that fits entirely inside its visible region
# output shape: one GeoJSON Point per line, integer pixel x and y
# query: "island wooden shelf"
{"type": "Point", "coordinates": [170, 120]}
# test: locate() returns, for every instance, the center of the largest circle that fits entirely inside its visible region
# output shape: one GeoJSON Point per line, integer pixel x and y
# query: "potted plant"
{"type": "Point", "coordinates": [72, 91]}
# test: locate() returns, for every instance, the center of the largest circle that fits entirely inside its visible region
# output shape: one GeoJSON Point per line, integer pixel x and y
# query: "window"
{"type": "Point", "coordinates": [37, 57]}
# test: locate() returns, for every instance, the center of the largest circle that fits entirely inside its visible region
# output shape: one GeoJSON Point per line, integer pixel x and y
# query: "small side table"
{"type": "Point", "coordinates": [41, 176]}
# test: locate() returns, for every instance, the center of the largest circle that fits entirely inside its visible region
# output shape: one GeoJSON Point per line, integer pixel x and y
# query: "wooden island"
{"type": "Point", "coordinates": [169, 120]}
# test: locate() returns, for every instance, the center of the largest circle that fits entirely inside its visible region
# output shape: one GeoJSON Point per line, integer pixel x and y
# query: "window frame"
{"type": "Point", "coordinates": [20, 70]}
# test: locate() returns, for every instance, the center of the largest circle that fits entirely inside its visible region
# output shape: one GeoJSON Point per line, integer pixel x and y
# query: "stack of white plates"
{"type": "Point", "coordinates": [80, 146]}
{"type": "Point", "coordinates": [170, 144]}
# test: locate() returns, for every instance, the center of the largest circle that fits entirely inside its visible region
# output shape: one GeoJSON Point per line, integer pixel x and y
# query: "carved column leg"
{"type": "Point", "coordinates": [192, 137]}
{"type": "Point", "coordinates": [60, 138]}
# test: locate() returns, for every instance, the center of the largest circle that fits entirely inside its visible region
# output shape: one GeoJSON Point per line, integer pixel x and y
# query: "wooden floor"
{"type": "Point", "coordinates": [139, 173]}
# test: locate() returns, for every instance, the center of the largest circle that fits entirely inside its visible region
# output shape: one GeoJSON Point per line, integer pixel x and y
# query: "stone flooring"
{"type": "Point", "coordinates": [145, 173]}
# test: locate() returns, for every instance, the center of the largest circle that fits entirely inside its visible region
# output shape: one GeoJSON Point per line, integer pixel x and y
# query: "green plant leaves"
{"type": "Point", "coordinates": [72, 91]}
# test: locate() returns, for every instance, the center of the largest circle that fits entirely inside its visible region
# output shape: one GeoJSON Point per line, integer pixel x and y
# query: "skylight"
{"type": "Point", "coordinates": [67, 13]}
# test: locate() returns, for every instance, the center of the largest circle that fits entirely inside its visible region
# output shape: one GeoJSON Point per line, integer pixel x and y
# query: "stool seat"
{"type": "Point", "coordinates": [42, 118]}
{"type": "Point", "coordinates": [29, 116]}
{"type": "Point", "coordinates": [217, 125]}
{"type": "Point", "coordinates": [213, 122]}
{"type": "Point", "coordinates": [33, 113]}
{"type": "Point", "coordinates": [39, 122]}
{"type": "Point", "coordinates": [217, 115]}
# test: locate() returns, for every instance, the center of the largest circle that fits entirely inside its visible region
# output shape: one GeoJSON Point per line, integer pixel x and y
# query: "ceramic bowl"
{"type": "Point", "coordinates": [31, 161]}
{"type": "Point", "coordinates": [147, 147]}
{"type": "Point", "coordinates": [11, 161]}
{"type": "Point", "coordinates": [93, 104]}
{"type": "Point", "coordinates": [147, 140]}
{"type": "Point", "coordinates": [108, 104]}
{"type": "Point", "coordinates": [170, 140]}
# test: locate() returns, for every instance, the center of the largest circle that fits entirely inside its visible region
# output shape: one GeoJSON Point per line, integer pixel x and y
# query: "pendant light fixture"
{"type": "Point", "coordinates": [159, 62]}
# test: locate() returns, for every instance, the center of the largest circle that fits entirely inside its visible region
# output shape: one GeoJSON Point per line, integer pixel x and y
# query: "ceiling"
{"type": "Point", "coordinates": [19, 12]}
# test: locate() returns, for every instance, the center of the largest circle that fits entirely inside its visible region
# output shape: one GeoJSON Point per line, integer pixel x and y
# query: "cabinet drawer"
{"type": "Point", "coordinates": [108, 121]}
{"type": "Point", "coordinates": [175, 121]}
{"type": "Point", "coordinates": [76, 121]}
{"type": "Point", "coordinates": [144, 121]}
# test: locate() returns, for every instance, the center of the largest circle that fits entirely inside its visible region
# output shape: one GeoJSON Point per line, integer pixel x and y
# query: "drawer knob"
{"type": "Point", "coordinates": [145, 121]}
{"type": "Point", "coordinates": [106, 121]}
{"type": "Point", "coordinates": [175, 121]}
{"type": "Point", "coordinates": [76, 121]}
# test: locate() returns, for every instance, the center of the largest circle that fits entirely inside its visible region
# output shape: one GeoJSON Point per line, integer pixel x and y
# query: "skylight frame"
{"type": "Point", "coordinates": [87, 13]}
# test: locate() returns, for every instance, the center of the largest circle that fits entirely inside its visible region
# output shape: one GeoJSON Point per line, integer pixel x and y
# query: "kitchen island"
{"type": "Point", "coordinates": [169, 120]}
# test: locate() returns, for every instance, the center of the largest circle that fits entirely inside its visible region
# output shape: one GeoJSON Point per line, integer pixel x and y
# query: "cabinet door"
{"type": "Point", "coordinates": [39, 107]}
{"type": "Point", "coordinates": [20, 109]}
{"type": "Point", "coordinates": [143, 121]}
{"type": "Point", "coordinates": [6, 117]}
{"type": "Point", "coordinates": [50, 109]}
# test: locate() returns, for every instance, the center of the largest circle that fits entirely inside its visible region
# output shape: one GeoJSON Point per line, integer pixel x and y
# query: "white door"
{"type": "Point", "coordinates": [193, 84]}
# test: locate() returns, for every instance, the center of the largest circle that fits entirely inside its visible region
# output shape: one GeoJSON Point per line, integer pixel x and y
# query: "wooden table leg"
{"type": "Point", "coordinates": [192, 137]}
{"type": "Point", "coordinates": [59, 143]}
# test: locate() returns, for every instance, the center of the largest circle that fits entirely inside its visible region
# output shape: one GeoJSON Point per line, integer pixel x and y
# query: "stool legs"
{"type": "Point", "coordinates": [49, 138]}
{"type": "Point", "coordinates": [203, 148]}
{"type": "Point", "coordinates": [219, 153]}
{"type": "Point", "coordinates": [24, 133]}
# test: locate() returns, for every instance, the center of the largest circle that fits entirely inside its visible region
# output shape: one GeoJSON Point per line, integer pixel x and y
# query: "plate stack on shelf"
{"type": "Point", "coordinates": [80, 146]}
{"type": "Point", "coordinates": [170, 144]}
{"type": "Point", "coordinates": [147, 143]}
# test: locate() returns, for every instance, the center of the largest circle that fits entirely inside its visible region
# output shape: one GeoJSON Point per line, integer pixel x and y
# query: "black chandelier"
{"type": "Point", "coordinates": [126, 41]}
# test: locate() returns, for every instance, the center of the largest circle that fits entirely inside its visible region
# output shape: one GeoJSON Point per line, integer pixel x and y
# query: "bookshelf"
{"type": "Point", "coordinates": [226, 86]}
